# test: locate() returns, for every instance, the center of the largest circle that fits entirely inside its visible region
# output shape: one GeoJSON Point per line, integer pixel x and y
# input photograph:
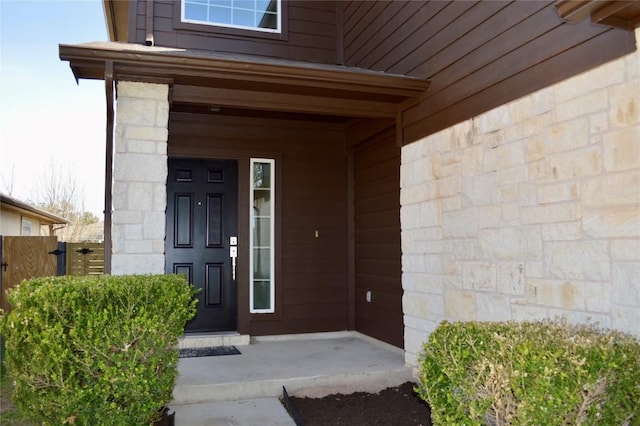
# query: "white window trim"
{"type": "Point", "coordinates": [277, 30]}
{"type": "Point", "coordinates": [272, 281]}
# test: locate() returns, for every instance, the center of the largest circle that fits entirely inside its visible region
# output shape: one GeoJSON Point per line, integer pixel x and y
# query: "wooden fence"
{"type": "Point", "coordinates": [85, 258]}
{"type": "Point", "coordinates": [24, 258]}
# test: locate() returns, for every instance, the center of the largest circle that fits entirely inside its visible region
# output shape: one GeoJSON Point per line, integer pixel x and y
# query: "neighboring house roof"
{"type": "Point", "coordinates": [13, 204]}
{"type": "Point", "coordinates": [93, 232]}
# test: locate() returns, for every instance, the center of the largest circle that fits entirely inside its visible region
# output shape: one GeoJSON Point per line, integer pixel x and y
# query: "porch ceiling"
{"type": "Point", "coordinates": [214, 80]}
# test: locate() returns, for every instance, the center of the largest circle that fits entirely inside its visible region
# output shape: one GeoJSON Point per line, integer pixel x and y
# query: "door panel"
{"type": "Point", "coordinates": [214, 280]}
{"type": "Point", "coordinates": [183, 220]}
{"type": "Point", "coordinates": [214, 221]}
{"type": "Point", "coordinates": [201, 217]}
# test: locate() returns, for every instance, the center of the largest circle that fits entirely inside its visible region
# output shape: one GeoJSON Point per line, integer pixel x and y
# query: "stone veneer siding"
{"type": "Point", "coordinates": [139, 178]}
{"type": "Point", "coordinates": [529, 211]}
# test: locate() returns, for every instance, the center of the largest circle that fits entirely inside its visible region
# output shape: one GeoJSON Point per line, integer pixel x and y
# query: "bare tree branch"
{"type": "Point", "coordinates": [8, 182]}
{"type": "Point", "coordinates": [60, 193]}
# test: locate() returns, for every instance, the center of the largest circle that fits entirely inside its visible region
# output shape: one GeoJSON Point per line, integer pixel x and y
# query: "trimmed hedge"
{"type": "Point", "coordinates": [534, 373]}
{"type": "Point", "coordinates": [95, 350]}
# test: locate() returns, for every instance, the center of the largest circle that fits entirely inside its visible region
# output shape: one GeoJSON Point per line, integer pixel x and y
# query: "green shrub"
{"type": "Point", "coordinates": [533, 373]}
{"type": "Point", "coordinates": [95, 350]}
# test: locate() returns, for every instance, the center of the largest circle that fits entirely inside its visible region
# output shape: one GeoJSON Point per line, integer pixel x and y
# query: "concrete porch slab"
{"type": "Point", "coordinates": [306, 365]}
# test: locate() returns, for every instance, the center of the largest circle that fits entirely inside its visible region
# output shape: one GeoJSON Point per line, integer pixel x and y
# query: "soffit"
{"type": "Point", "coordinates": [239, 81]}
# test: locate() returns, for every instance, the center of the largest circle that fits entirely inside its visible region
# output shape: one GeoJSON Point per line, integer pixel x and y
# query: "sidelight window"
{"type": "Point", "coordinates": [262, 288]}
{"type": "Point", "coordinates": [258, 15]}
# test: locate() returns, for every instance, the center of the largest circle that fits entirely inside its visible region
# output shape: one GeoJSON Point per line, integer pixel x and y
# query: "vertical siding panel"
{"type": "Point", "coordinates": [402, 26]}
{"type": "Point", "coordinates": [353, 11]}
{"type": "Point", "coordinates": [423, 30]}
{"type": "Point", "coordinates": [516, 61]}
{"type": "Point", "coordinates": [377, 238]}
{"type": "Point", "coordinates": [554, 69]}
{"type": "Point", "coordinates": [357, 31]}
{"type": "Point", "coordinates": [428, 45]}
{"type": "Point", "coordinates": [508, 17]}
{"type": "Point", "coordinates": [137, 9]}
{"type": "Point", "coordinates": [371, 36]}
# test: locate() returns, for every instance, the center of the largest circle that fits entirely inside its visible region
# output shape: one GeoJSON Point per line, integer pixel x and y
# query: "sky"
{"type": "Point", "coordinates": [45, 116]}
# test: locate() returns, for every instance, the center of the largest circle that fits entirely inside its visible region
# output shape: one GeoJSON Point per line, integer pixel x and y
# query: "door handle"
{"type": "Point", "coordinates": [233, 253]}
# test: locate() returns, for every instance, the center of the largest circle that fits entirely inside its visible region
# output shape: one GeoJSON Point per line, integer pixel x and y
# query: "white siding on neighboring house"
{"type": "Point", "coordinates": [15, 224]}
{"type": "Point", "coordinates": [10, 223]}
{"type": "Point", "coordinates": [529, 211]}
{"type": "Point", "coordinates": [139, 178]}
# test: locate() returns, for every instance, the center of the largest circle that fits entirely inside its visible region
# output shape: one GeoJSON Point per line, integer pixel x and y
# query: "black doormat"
{"type": "Point", "coordinates": [209, 351]}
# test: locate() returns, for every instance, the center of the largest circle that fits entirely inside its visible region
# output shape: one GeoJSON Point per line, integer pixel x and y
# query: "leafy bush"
{"type": "Point", "coordinates": [535, 373]}
{"type": "Point", "coordinates": [95, 350]}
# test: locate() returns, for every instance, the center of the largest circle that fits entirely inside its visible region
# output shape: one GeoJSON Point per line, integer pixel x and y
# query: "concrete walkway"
{"type": "Point", "coordinates": [249, 412]}
{"type": "Point", "coordinates": [244, 389]}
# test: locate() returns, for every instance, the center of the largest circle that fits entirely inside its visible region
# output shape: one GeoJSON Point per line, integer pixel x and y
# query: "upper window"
{"type": "Point", "coordinates": [258, 15]}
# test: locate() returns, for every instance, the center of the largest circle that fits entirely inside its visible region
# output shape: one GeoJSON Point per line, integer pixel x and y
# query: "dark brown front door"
{"type": "Point", "coordinates": [202, 229]}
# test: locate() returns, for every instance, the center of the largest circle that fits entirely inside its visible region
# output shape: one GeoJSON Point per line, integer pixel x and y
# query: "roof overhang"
{"type": "Point", "coordinates": [19, 207]}
{"type": "Point", "coordinates": [248, 82]}
{"type": "Point", "coordinates": [616, 14]}
{"type": "Point", "coordinates": [116, 14]}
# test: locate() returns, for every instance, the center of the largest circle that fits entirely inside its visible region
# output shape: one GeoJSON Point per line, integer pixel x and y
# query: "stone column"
{"type": "Point", "coordinates": [140, 176]}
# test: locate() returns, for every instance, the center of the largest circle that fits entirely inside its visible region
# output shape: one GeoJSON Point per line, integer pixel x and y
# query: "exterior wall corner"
{"type": "Point", "coordinates": [529, 211]}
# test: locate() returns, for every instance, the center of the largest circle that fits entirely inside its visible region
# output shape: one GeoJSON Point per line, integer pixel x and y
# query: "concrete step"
{"type": "Point", "coordinates": [306, 367]}
{"type": "Point", "coordinates": [192, 341]}
{"type": "Point", "coordinates": [310, 386]}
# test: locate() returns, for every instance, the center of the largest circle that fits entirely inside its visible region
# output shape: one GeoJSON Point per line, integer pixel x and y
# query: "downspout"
{"type": "Point", "coordinates": [108, 176]}
{"type": "Point", "coordinates": [339, 33]}
{"type": "Point", "coordinates": [149, 24]}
